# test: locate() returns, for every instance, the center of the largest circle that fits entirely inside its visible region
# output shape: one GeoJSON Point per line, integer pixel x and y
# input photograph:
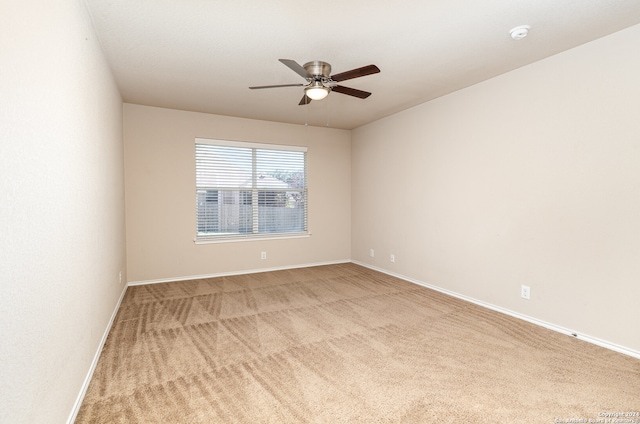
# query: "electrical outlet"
{"type": "Point", "coordinates": [525, 292]}
{"type": "Point", "coordinates": [392, 258]}
{"type": "Point", "coordinates": [371, 253]}
{"type": "Point", "coordinates": [263, 255]}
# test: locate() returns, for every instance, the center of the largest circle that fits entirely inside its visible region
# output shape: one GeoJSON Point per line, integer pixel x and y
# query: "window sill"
{"type": "Point", "coordinates": [253, 238]}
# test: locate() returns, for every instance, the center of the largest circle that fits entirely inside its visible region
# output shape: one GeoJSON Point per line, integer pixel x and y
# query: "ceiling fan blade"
{"type": "Point", "coordinates": [295, 67]}
{"type": "Point", "coordinates": [356, 73]}
{"type": "Point", "coordinates": [305, 100]}
{"type": "Point", "coordinates": [351, 91]}
{"type": "Point", "coordinates": [275, 86]}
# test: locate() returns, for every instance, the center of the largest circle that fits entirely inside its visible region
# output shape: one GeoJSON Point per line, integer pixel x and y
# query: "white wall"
{"type": "Point", "coordinates": [160, 195]}
{"type": "Point", "coordinates": [530, 178]}
{"type": "Point", "coordinates": [61, 206]}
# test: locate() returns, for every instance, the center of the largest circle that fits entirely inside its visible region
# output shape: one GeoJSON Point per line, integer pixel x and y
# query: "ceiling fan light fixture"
{"type": "Point", "coordinates": [316, 91]}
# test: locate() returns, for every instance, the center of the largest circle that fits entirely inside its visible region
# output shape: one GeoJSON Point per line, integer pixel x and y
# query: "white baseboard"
{"type": "Point", "coordinates": [226, 274]}
{"type": "Point", "coordinates": [94, 362]}
{"type": "Point", "coordinates": [547, 325]}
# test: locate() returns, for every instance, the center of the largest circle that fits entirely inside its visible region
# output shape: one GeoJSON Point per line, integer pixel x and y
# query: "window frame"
{"type": "Point", "coordinates": [255, 193]}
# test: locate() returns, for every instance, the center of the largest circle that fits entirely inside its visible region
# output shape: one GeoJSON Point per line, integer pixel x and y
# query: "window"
{"type": "Point", "coordinates": [249, 190]}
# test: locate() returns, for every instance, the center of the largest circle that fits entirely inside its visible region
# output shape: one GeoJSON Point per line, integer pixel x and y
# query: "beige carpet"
{"type": "Point", "coordinates": [341, 344]}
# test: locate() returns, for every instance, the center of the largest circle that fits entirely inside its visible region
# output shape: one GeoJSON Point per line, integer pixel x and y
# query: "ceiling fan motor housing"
{"type": "Point", "coordinates": [318, 68]}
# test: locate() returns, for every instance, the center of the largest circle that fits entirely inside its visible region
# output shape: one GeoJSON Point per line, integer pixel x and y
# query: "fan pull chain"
{"type": "Point", "coordinates": [326, 109]}
{"type": "Point", "coordinates": [306, 116]}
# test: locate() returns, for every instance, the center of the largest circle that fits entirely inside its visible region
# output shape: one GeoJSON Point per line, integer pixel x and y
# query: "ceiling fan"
{"type": "Point", "coordinates": [320, 81]}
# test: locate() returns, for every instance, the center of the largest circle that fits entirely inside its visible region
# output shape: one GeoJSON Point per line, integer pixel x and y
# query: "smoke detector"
{"type": "Point", "coordinates": [519, 32]}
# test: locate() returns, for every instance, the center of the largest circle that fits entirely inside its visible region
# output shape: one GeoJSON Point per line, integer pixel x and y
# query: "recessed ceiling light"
{"type": "Point", "coordinates": [519, 32]}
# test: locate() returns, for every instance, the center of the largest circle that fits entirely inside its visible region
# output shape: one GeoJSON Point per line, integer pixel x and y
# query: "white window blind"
{"type": "Point", "coordinates": [249, 190]}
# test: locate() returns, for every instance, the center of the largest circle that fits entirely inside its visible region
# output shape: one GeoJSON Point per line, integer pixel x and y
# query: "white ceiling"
{"type": "Point", "coordinates": [202, 55]}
